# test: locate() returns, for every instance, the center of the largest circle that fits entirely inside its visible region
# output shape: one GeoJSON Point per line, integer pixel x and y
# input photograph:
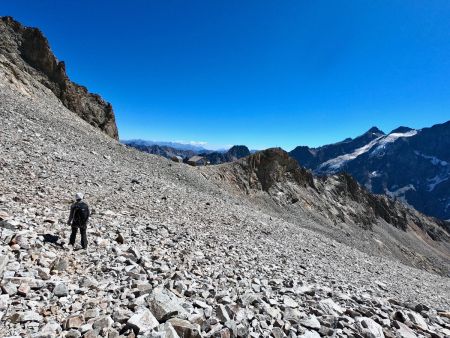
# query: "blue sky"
{"type": "Point", "coordinates": [260, 73]}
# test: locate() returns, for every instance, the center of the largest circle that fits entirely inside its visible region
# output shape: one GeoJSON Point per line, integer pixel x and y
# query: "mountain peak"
{"type": "Point", "coordinates": [401, 129]}
{"type": "Point", "coordinates": [374, 130]}
{"type": "Point", "coordinates": [238, 151]}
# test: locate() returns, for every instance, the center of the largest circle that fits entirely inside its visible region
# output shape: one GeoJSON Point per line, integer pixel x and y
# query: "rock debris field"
{"type": "Point", "coordinates": [172, 254]}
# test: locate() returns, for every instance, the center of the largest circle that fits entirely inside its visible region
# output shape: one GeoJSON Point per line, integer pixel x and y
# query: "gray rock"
{"type": "Point", "coordinates": [185, 329]}
{"type": "Point", "coordinates": [74, 322]}
{"type": "Point", "coordinates": [329, 307]}
{"type": "Point", "coordinates": [9, 288]}
{"type": "Point", "coordinates": [30, 316]}
{"type": "Point", "coordinates": [52, 328]}
{"type": "Point", "coordinates": [292, 315]}
{"type": "Point", "coordinates": [4, 302]}
{"type": "Point", "coordinates": [222, 313]}
{"type": "Point", "coordinates": [369, 328]}
{"type": "Point", "coordinates": [3, 263]}
{"type": "Point", "coordinates": [418, 320]}
{"type": "Point", "coordinates": [167, 330]}
{"type": "Point", "coordinates": [403, 331]}
{"type": "Point", "coordinates": [59, 264]}
{"type": "Point", "coordinates": [142, 321]}
{"type": "Point", "coordinates": [103, 322]}
{"type": "Point", "coordinates": [163, 304]}
{"type": "Point", "coordinates": [310, 334]}
{"type": "Point", "coordinates": [61, 290]}
{"type": "Point", "coordinates": [310, 322]}
{"type": "Point", "coordinates": [91, 313]}
{"type": "Point", "coordinates": [73, 334]}
{"type": "Point", "coordinates": [44, 273]}
{"type": "Point", "coordinates": [289, 302]}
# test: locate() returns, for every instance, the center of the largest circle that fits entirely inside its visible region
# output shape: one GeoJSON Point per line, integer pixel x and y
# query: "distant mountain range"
{"type": "Point", "coordinates": [175, 145]}
{"type": "Point", "coordinates": [186, 151]}
{"type": "Point", "coordinates": [411, 165]}
{"type": "Point", "coordinates": [406, 164]}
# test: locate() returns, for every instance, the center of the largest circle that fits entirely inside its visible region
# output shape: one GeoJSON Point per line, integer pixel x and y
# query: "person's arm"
{"type": "Point", "coordinates": [72, 209]}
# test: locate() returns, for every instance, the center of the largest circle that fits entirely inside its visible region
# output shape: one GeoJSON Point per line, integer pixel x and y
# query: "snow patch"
{"type": "Point", "coordinates": [434, 160]}
{"type": "Point", "coordinates": [436, 180]}
{"type": "Point", "coordinates": [336, 163]}
{"type": "Point", "coordinates": [400, 193]}
{"type": "Point", "coordinates": [377, 145]}
{"type": "Point", "coordinates": [391, 138]}
{"type": "Point", "coordinates": [374, 174]}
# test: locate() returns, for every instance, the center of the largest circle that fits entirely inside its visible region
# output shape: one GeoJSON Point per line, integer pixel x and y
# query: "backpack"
{"type": "Point", "coordinates": [81, 214]}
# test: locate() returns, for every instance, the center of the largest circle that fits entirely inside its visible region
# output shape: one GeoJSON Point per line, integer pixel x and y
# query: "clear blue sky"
{"type": "Point", "coordinates": [260, 73]}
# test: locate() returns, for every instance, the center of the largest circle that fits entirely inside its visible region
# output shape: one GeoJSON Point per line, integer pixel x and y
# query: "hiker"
{"type": "Point", "coordinates": [79, 215]}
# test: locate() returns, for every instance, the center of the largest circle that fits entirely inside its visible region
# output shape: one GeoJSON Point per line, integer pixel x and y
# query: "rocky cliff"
{"type": "Point", "coordinates": [26, 50]}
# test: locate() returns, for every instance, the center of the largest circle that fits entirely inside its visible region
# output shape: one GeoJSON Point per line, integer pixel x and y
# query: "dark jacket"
{"type": "Point", "coordinates": [79, 214]}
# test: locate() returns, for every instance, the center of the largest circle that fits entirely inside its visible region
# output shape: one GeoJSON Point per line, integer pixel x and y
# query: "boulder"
{"type": "Point", "coordinates": [60, 290]}
{"type": "Point", "coordinates": [163, 304]}
{"type": "Point", "coordinates": [142, 321]}
{"type": "Point", "coordinates": [103, 322]}
{"type": "Point", "coordinates": [418, 320]}
{"type": "Point", "coordinates": [369, 328]}
{"type": "Point", "coordinates": [329, 307]}
{"type": "Point", "coordinates": [310, 322]}
{"type": "Point", "coordinates": [74, 322]}
{"type": "Point", "coordinates": [185, 329]}
{"type": "Point", "coordinates": [168, 330]}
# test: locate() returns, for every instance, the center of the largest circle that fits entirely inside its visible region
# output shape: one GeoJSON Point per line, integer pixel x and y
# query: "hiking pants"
{"type": "Point", "coordinates": [73, 235]}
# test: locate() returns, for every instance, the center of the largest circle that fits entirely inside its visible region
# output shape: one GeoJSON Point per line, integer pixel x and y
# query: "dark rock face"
{"type": "Point", "coordinates": [28, 50]}
{"type": "Point", "coordinates": [237, 152]}
{"type": "Point", "coordinates": [410, 165]}
{"type": "Point", "coordinates": [271, 166]}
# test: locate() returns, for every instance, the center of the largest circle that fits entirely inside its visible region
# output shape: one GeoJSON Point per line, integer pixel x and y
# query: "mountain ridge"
{"type": "Point", "coordinates": [409, 164]}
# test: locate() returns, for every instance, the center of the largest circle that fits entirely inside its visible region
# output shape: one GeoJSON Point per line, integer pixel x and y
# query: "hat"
{"type": "Point", "coordinates": [79, 196]}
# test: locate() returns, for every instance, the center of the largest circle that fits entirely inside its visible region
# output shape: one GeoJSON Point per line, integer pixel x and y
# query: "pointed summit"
{"type": "Point", "coordinates": [374, 130]}
{"type": "Point", "coordinates": [401, 129]}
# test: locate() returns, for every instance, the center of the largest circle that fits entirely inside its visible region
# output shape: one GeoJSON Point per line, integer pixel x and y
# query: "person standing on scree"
{"type": "Point", "coordinates": [79, 215]}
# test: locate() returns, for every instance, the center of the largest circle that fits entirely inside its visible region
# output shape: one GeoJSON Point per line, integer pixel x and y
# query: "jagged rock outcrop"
{"type": "Point", "coordinates": [26, 49]}
{"type": "Point", "coordinates": [264, 169]}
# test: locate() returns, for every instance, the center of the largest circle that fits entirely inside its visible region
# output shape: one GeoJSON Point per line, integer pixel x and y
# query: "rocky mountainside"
{"type": "Point", "coordinates": [255, 248]}
{"type": "Point", "coordinates": [25, 53]}
{"type": "Point", "coordinates": [410, 165]}
{"type": "Point", "coordinates": [337, 201]}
